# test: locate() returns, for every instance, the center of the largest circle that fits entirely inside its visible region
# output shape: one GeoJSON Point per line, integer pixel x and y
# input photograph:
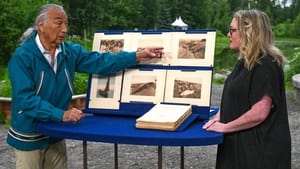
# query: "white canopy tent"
{"type": "Point", "coordinates": [178, 23]}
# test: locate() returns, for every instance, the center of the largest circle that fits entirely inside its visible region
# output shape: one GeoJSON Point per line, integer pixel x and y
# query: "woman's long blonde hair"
{"type": "Point", "coordinates": [256, 37]}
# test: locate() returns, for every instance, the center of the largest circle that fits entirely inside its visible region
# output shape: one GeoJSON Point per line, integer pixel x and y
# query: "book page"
{"type": "Point", "coordinates": [165, 113]}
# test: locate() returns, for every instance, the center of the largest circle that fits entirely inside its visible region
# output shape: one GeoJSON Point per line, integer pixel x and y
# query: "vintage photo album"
{"type": "Point", "coordinates": [164, 92]}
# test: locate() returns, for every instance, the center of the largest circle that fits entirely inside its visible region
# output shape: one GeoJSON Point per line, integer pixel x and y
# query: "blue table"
{"type": "Point", "coordinates": [122, 130]}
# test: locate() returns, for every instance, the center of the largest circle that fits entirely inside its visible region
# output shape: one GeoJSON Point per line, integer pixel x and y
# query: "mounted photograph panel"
{"type": "Point", "coordinates": [192, 49]}
{"type": "Point", "coordinates": [143, 85]}
{"type": "Point", "coordinates": [105, 91]}
{"type": "Point", "coordinates": [182, 76]}
{"type": "Point", "coordinates": [190, 87]}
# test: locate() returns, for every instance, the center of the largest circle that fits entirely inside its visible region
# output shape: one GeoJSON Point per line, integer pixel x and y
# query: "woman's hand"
{"type": "Point", "coordinates": [212, 121]}
{"type": "Point", "coordinates": [213, 125]}
{"type": "Point", "coordinates": [209, 123]}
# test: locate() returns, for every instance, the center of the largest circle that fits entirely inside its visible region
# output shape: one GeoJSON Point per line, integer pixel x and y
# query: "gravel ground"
{"type": "Point", "coordinates": [101, 155]}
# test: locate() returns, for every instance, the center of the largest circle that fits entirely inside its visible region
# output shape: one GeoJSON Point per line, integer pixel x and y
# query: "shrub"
{"type": "Point", "coordinates": [293, 66]}
{"type": "Point", "coordinates": [3, 119]}
{"type": "Point", "coordinates": [80, 83]}
{"type": "Point", "coordinates": [5, 86]}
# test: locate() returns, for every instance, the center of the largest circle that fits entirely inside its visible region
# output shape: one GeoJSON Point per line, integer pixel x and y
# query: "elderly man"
{"type": "Point", "coordinates": [42, 72]}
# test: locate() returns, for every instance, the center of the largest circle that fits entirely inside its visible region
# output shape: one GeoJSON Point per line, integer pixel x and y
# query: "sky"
{"type": "Point", "coordinates": [288, 2]}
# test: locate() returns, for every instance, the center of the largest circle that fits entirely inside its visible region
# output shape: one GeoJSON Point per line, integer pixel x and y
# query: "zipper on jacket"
{"type": "Point", "coordinates": [40, 83]}
{"type": "Point", "coordinates": [69, 80]}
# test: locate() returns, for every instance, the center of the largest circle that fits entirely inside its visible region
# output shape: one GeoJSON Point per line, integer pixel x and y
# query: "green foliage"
{"type": "Point", "coordinates": [3, 119]}
{"type": "Point", "coordinates": [293, 66]}
{"type": "Point", "coordinates": [220, 80]}
{"type": "Point", "coordinates": [288, 29]}
{"type": "Point", "coordinates": [297, 26]}
{"type": "Point", "coordinates": [5, 86]}
{"type": "Point", "coordinates": [287, 46]}
{"type": "Point", "coordinates": [80, 83]}
{"type": "Point", "coordinates": [3, 72]}
{"type": "Point", "coordinates": [165, 19]}
{"type": "Point", "coordinates": [281, 30]}
{"type": "Point", "coordinates": [87, 44]}
{"type": "Point", "coordinates": [198, 14]}
{"type": "Point", "coordinates": [225, 58]}
{"type": "Point", "coordinates": [16, 16]}
{"type": "Point", "coordinates": [222, 16]}
{"type": "Point", "coordinates": [86, 17]}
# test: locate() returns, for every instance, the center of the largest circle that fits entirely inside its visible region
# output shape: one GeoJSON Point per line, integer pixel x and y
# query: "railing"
{"type": "Point", "coordinates": [78, 101]}
{"type": "Point", "coordinates": [5, 103]}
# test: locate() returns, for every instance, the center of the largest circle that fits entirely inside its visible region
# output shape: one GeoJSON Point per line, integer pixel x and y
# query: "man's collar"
{"type": "Point", "coordinates": [41, 47]}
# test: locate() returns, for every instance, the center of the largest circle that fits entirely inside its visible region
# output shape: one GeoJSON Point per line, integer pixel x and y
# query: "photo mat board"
{"type": "Point", "coordinates": [190, 87]}
{"type": "Point", "coordinates": [143, 86]}
{"type": "Point", "coordinates": [105, 91]}
{"type": "Point", "coordinates": [112, 43]}
{"type": "Point", "coordinates": [193, 49]}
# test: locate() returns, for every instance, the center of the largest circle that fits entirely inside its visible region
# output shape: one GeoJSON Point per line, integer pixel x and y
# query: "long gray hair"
{"type": "Point", "coordinates": [42, 16]}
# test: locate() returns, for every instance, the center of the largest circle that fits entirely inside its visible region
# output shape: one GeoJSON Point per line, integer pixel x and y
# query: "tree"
{"type": "Point", "coordinates": [83, 16]}
{"type": "Point", "coordinates": [222, 16]}
{"type": "Point", "coordinates": [198, 14]}
{"type": "Point", "coordinates": [88, 16]}
{"type": "Point", "coordinates": [16, 16]}
{"type": "Point", "coordinates": [297, 26]}
{"type": "Point", "coordinates": [147, 14]}
{"type": "Point", "coordinates": [164, 19]}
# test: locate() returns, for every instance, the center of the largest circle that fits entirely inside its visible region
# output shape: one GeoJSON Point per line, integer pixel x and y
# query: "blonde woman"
{"type": "Point", "coordinates": [253, 113]}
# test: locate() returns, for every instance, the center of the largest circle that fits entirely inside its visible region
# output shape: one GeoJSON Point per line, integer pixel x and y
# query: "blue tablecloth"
{"type": "Point", "coordinates": [122, 130]}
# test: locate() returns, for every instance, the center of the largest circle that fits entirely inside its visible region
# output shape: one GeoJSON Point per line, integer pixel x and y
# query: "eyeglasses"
{"type": "Point", "coordinates": [231, 30]}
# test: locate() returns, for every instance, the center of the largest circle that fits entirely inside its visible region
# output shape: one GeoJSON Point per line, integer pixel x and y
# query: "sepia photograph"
{"type": "Point", "coordinates": [113, 42]}
{"type": "Point", "coordinates": [191, 49]}
{"type": "Point", "coordinates": [105, 91]}
{"type": "Point", "coordinates": [191, 87]}
{"type": "Point", "coordinates": [105, 86]}
{"type": "Point", "coordinates": [113, 46]}
{"type": "Point", "coordinates": [186, 88]}
{"type": "Point", "coordinates": [156, 40]}
{"type": "Point", "coordinates": [143, 86]}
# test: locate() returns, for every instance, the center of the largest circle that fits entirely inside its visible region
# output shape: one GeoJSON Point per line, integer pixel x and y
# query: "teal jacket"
{"type": "Point", "coordinates": [40, 94]}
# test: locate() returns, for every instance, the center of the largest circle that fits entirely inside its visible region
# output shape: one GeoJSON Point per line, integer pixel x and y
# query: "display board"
{"type": "Point", "coordinates": [183, 75]}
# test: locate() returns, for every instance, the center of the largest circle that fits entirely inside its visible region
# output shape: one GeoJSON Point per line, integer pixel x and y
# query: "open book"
{"type": "Point", "coordinates": [164, 117]}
